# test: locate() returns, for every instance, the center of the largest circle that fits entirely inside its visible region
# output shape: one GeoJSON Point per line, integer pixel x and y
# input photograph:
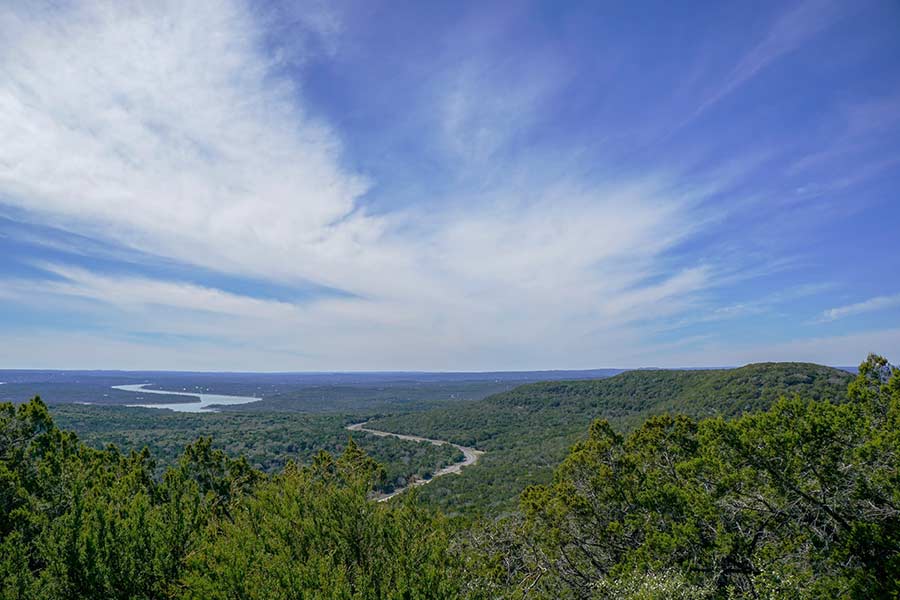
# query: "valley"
{"type": "Point", "coordinates": [516, 492]}
{"type": "Point", "coordinates": [470, 456]}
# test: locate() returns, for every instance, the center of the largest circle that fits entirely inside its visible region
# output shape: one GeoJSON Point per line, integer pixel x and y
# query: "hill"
{"type": "Point", "coordinates": [528, 430]}
{"type": "Point", "coordinates": [795, 501]}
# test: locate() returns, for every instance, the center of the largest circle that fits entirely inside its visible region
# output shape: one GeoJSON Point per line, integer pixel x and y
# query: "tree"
{"type": "Point", "coordinates": [314, 532]}
{"type": "Point", "coordinates": [801, 500]}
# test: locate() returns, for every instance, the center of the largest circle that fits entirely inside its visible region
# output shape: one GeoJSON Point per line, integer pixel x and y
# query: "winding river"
{"type": "Point", "coordinates": [204, 402]}
{"type": "Point", "coordinates": [211, 402]}
{"type": "Point", "coordinates": [471, 456]}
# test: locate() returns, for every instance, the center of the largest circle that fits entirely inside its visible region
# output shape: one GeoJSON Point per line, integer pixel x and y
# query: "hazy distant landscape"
{"type": "Point", "coordinates": [313, 392]}
{"type": "Point", "coordinates": [89, 403]}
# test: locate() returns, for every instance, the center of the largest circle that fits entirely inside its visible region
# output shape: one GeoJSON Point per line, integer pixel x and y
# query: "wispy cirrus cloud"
{"type": "Point", "coordinates": [184, 134]}
{"type": "Point", "coordinates": [167, 128]}
{"type": "Point", "coordinates": [795, 26]}
{"type": "Point", "coordinates": [164, 127]}
{"type": "Point", "coordinates": [871, 305]}
{"type": "Point", "coordinates": [838, 350]}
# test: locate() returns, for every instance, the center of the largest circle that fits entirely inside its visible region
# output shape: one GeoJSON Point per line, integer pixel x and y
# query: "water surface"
{"type": "Point", "coordinates": [204, 402]}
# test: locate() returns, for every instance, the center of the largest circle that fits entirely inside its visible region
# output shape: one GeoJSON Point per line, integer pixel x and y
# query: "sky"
{"type": "Point", "coordinates": [254, 186]}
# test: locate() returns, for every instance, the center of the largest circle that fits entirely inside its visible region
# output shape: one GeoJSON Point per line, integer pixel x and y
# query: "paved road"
{"type": "Point", "coordinates": [471, 456]}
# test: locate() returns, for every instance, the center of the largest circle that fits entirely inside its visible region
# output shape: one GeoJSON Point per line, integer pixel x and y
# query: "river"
{"type": "Point", "coordinates": [471, 456]}
{"type": "Point", "coordinates": [204, 403]}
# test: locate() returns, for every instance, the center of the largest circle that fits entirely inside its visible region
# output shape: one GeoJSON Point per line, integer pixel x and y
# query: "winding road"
{"type": "Point", "coordinates": [471, 456]}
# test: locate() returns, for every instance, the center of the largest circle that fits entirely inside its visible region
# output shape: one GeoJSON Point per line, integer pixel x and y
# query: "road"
{"type": "Point", "coordinates": [471, 456]}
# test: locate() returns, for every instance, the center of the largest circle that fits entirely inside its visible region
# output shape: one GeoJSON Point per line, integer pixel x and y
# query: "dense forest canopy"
{"type": "Point", "coordinates": [790, 497]}
{"type": "Point", "coordinates": [528, 430]}
{"type": "Point", "coordinates": [268, 440]}
{"type": "Point", "coordinates": [800, 500]}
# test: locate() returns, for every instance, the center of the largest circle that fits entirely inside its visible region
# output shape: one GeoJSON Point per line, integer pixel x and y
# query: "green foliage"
{"type": "Point", "coordinates": [304, 535]}
{"type": "Point", "coordinates": [528, 430]}
{"type": "Point", "coordinates": [77, 522]}
{"type": "Point", "coordinates": [800, 501]}
{"type": "Point", "coordinates": [268, 441]}
{"type": "Point", "coordinates": [83, 523]}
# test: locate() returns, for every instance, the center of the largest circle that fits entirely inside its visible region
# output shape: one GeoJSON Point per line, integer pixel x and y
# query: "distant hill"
{"type": "Point", "coordinates": [698, 393]}
{"type": "Point", "coordinates": [527, 430]}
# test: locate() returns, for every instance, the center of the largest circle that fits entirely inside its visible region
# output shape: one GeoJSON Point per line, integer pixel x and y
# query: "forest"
{"type": "Point", "coordinates": [528, 431]}
{"type": "Point", "coordinates": [771, 481]}
{"type": "Point", "coordinates": [267, 440]}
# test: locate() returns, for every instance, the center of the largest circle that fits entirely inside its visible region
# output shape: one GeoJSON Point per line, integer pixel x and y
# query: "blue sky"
{"type": "Point", "coordinates": [448, 185]}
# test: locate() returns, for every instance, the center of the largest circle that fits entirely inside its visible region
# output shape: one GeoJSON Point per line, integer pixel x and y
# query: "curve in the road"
{"type": "Point", "coordinates": [471, 456]}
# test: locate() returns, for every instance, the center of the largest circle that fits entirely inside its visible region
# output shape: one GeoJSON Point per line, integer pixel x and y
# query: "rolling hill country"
{"type": "Point", "coordinates": [768, 481]}
{"type": "Point", "coordinates": [449, 300]}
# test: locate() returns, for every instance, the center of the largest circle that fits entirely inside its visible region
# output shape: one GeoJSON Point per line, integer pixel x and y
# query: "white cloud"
{"type": "Point", "coordinates": [839, 350]}
{"type": "Point", "coordinates": [53, 349]}
{"type": "Point", "coordinates": [485, 106]}
{"type": "Point", "coordinates": [870, 305]}
{"type": "Point", "coordinates": [161, 125]}
{"type": "Point", "coordinates": [131, 293]}
{"type": "Point", "coordinates": [164, 127]}
{"type": "Point", "coordinates": [797, 25]}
